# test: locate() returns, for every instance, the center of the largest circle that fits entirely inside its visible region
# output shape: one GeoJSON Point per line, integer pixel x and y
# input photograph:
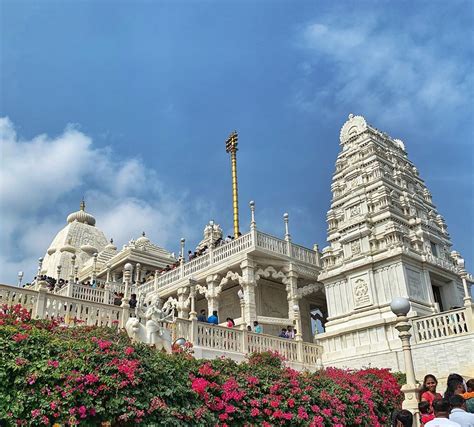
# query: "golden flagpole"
{"type": "Point", "coordinates": [231, 147]}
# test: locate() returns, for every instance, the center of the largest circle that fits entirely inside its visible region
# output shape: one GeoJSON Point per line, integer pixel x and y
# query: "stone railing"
{"type": "Point", "coordinates": [233, 340]}
{"type": "Point", "coordinates": [43, 304]}
{"type": "Point", "coordinates": [442, 325]}
{"type": "Point", "coordinates": [252, 240]}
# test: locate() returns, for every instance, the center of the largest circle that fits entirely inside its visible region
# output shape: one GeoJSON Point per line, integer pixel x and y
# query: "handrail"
{"type": "Point", "coordinates": [216, 255]}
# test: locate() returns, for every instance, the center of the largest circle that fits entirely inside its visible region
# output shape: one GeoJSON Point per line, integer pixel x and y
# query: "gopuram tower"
{"type": "Point", "coordinates": [386, 239]}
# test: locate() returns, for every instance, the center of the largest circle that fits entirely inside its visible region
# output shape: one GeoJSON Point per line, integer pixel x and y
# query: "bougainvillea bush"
{"type": "Point", "coordinates": [52, 374]}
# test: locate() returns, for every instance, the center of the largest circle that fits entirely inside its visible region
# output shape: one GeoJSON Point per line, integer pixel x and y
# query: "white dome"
{"type": "Point", "coordinates": [81, 216]}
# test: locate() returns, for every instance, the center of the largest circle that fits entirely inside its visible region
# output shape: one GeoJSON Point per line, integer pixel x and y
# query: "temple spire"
{"type": "Point", "coordinates": [82, 206]}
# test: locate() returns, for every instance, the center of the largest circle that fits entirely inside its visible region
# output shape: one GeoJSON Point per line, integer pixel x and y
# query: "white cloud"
{"type": "Point", "coordinates": [382, 68]}
{"type": "Point", "coordinates": [42, 180]}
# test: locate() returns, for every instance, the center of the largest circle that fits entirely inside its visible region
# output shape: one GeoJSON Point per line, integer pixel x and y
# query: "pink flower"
{"type": "Point", "coordinates": [255, 412]}
{"type": "Point", "coordinates": [199, 385]}
{"type": "Point", "coordinates": [104, 344]}
{"type": "Point", "coordinates": [53, 405]}
{"type": "Point", "coordinates": [129, 350]}
{"type": "Point", "coordinates": [35, 413]}
{"type": "Point", "coordinates": [82, 410]}
{"type": "Point", "coordinates": [252, 380]}
{"type": "Point", "coordinates": [90, 378]}
{"type": "Point", "coordinates": [20, 361]}
{"type": "Point", "coordinates": [53, 363]}
{"type": "Point", "coordinates": [19, 337]}
{"type": "Point", "coordinates": [223, 417]}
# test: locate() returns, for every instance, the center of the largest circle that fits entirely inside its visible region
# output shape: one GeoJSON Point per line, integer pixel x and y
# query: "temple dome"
{"type": "Point", "coordinates": [143, 239]}
{"type": "Point", "coordinates": [81, 216]}
{"type": "Point", "coordinates": [79, 238]}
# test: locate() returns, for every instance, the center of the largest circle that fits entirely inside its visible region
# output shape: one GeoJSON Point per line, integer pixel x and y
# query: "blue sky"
{"type": "Point", "coordinates": [129, 103]}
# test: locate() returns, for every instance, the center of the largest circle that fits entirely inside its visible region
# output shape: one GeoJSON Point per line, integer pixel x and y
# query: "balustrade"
{"type": "Point", "coordinates": [441, 325]}
{"type": "Point", "coordinates": [227, 250]}
{"type": "Point", "coordinates": [270, 243]}
{"type": "Point", "coordinates": [261, 342]}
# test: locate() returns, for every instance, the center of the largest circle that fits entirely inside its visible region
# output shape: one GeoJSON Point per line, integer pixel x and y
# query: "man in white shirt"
{"type": "Point", "coordinates": [441, 411]}
{"type": "Point", "coordinates": [458, 412]}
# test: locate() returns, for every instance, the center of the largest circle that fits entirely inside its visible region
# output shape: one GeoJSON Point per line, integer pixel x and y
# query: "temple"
{"type": "Point", "coordinates": [386, 239]}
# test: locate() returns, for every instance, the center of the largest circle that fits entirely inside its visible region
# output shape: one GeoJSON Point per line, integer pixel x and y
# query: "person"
{"type": "Point", "coordinates": [402, 418]}
{"type": "Point", "coordinates": [202, 316]}
{"type": "Point", "coordinates": [441, 411]}
{"type": "Point", "coordinates": [426, 412]}
{"type": "Point", "coordinates": [230, 322]}
{"type": "Point", "coordinates": [213, 319]}
{"type": "Point", "coordinates": [117, 299]}
{"type": "Point", "coordinates": [257, 328]}
{"type": "Point", "coordinates": [132, 302]}
{"type": "Point", "coordinates": [458, 411]}
{"type": "Point", "coordinates": [469, 396]}
{"type": "Point", "coordinates": [455, 385]}
{"type": "Point", "coordinates": [249, 328]}
{"type": "Point", "coordinates": [290, 333]}
{"type": "Point", "coordinates": [283, 333]}
{"type": "Point", "coordinates": [428, 390]}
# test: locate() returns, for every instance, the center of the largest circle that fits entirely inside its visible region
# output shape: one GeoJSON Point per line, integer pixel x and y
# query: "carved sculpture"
{"type": "Point", "coordinates": [152, 333]}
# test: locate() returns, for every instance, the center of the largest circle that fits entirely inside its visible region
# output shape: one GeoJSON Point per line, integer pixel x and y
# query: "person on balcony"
{"type": "Point", "coordinates": [257, 328]}
{"type": "Point", "coordinates": [230, 322]}
{"type": "Point", "coordinates": [428, 389]}
{"type": "Point", "coordinates": [283, 333]}
{"type": "Point", "coordinates": [132, 302]}
{"type": "Point", "coordinates": [202, 316]}
{"type": "Point", "coordinates": [290, 333]}
{"type": "Point", "coordinates": [458, 411]}
{"type": "Point", "coordinates": [213, 319]}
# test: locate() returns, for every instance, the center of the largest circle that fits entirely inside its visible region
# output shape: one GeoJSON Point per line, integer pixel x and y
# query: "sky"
{"type": "Point", "coordinates": [129, 103]}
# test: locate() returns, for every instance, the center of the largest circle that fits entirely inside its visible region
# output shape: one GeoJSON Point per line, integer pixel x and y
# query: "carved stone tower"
{"type": "Point", "coordinates": [386, 238]}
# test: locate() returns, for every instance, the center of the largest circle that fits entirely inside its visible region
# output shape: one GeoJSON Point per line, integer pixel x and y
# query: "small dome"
{"type": "Point", "coordinates": [143, 239]}
{"type": "Point", "coordinates": [81, 216]}
{"type": "Point", "coordinates": [89, 249]}
{"type": "Point", "coordinates": [111, 245]}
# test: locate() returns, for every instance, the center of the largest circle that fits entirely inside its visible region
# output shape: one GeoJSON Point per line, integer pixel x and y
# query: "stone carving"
{"type": "Point", "coordinates": [354, 126]}
{"type": "Point", "coordinates": [309, 289]}
{"type": "Point", "coordinates": [361, 293]}
{"type": "Point", "coordinates": [271, 272]}
{"type": "Point", "coordinates": [355, 247]}
{"type": "Point", "coordinates": [355, 210]}
{"type": "Point", "coordinates": [152, 333]}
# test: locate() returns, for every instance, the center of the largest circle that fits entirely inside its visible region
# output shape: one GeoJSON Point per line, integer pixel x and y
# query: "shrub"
{"type": "Point", "coordinates": [87, 375]}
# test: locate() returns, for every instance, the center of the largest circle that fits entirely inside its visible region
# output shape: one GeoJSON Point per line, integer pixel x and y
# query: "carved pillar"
{"type": "Point", "coordinates": [107, 279]}
{"type": "Point", "coordinates": [137, 272]}
{"type": "Point", "coordinates": [293, 302]}
{"type": "Point", "coordinates": [192, 297]}
{"type": "Point", "coordinates": [155, 281]}
{"type": "Point", "coordinates": [213, 291]}
{"type": "Point", "coordinates": [73, 263]}
{"type": "Point", "coordinates": [183, 303]}
{"type": "Point", "coordinates": [249, 284]}
{"type": "Point", "coordinates": [127, 274]}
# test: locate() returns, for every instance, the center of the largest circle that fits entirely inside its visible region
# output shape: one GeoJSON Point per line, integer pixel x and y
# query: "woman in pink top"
{"type": "Point", "coordinates": [428, 389]}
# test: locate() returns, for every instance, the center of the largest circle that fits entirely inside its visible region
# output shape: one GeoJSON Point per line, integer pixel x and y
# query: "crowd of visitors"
{"type": "Point", "coordinates": [205, 249]}
{"type": "Point", "coordinates": [453, 409]}
{"type": "Point", "coordinates": [288, 333]}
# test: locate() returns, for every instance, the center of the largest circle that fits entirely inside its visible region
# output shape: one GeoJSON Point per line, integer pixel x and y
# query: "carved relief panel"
{"type": "Point", "coordinates": [361, 291]}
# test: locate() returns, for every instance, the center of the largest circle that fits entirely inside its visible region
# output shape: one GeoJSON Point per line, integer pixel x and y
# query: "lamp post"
{"type": "Point", "coordinates": [20, 278]}
{"type": "Point", "coordinates": [400, 307]}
